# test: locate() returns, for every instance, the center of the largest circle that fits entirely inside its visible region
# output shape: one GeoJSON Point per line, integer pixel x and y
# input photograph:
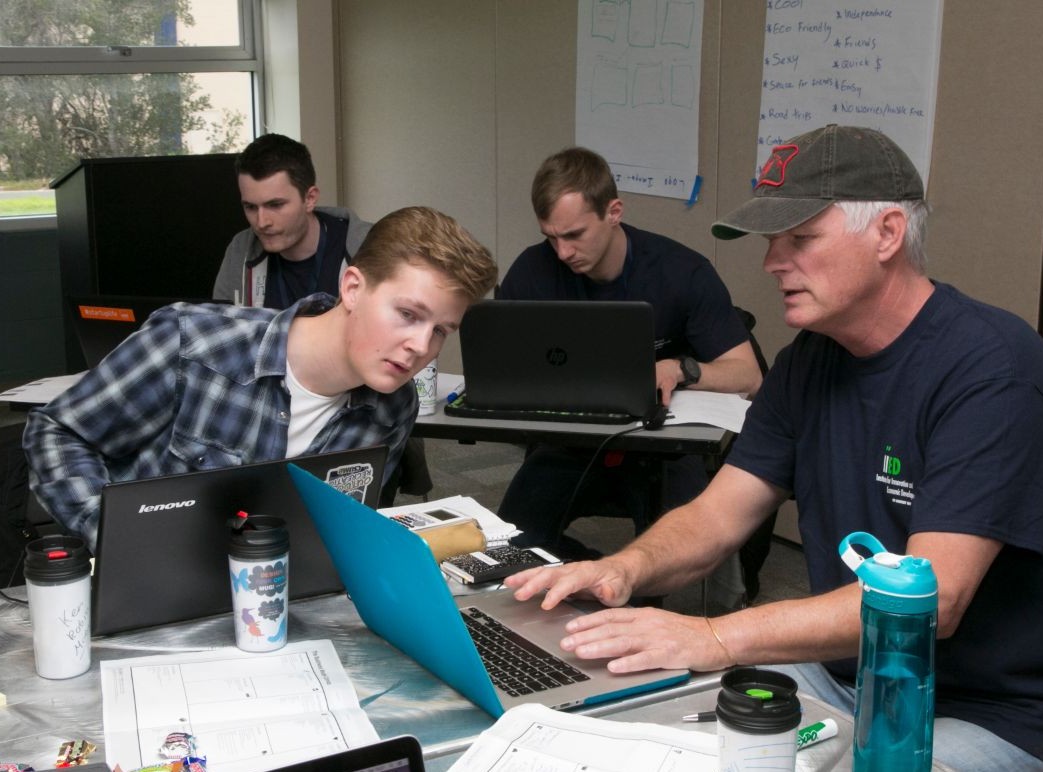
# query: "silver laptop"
{"type": "Point", "coordinates": [401, 595]}
{"type": "Point", "coordinates": [162, 552]}
{"type": "Point", "coordinates": [571, 360]}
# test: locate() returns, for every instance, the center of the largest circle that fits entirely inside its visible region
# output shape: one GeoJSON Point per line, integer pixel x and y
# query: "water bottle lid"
{"type": "Point", "coordinates": [902, 584]}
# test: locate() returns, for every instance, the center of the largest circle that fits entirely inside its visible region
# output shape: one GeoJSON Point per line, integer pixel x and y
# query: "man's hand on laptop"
{"type": "Point", "coordinates": [604, 580]}
{"type": "Point", "coordinates": [635, 638]}
{"type": "Point", "coordinates": [644, 639]}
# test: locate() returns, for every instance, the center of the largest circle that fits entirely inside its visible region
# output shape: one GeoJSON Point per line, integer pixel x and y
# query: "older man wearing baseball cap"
{"type": "Point", "coordinates": [888, 366]}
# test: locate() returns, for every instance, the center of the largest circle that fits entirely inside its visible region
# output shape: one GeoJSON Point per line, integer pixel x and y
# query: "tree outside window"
{"type": "Point", "coordinates": [117, 78]}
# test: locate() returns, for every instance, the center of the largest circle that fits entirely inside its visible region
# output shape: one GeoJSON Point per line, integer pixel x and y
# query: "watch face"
{"type": "Point", "coordinates": [692, 371]}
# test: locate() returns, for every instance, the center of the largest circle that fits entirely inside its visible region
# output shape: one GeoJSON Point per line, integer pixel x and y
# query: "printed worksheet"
{"type": "Point", "coordinates": [533, 737]}
{"type": "Point", "coordinates": [247, 712]}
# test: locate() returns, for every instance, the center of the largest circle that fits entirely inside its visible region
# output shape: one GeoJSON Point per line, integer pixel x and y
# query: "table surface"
{"type": "Point", "coordinates": [693, 439]}
{"type": "Point", "coordinates": [398, 695]}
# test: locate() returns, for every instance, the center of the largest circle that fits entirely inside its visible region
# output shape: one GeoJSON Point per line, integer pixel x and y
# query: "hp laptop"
{"type": "Point", "coordinates": [398, 589]}
{"type": "Point", "coordinates": [162, 552]}
{"type": "Point", "coordinates": [572, 360]}
{"type": "Point", "coordinates": [102, 322]}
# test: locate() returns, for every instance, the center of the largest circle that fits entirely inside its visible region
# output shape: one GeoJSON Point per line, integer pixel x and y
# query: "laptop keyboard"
{"type": "Point", "coordinates": [461, 410]}
{"type": "Point", "coordinates": [515, 664]}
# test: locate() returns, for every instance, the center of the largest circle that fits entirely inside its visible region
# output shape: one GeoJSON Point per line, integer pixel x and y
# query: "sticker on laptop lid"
{"type": "Point", "coordinates": [351, 479]}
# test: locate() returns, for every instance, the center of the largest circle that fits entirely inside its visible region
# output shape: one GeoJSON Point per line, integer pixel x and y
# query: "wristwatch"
{"type": "Point", "coordinates": [690, 370]}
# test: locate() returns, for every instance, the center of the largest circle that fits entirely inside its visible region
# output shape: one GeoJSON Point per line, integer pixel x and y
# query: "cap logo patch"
{"type": "Point", "coordinates": [774, 171]}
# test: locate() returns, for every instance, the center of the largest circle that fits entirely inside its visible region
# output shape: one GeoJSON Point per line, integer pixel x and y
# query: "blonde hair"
{"type": "Point", "coordinates": [421, 235]}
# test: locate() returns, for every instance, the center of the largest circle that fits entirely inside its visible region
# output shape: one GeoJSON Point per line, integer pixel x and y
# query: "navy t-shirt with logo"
{"type": "Point", "coordinates": [942, 431]}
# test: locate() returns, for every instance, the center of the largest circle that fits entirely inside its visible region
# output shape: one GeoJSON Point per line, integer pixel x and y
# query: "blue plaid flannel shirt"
{"type": "Point", "coordinates": [197, 387]}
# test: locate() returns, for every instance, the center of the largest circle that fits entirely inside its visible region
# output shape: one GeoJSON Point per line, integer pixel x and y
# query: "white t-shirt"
{"type": "Point", "coordinates": [309, 412]}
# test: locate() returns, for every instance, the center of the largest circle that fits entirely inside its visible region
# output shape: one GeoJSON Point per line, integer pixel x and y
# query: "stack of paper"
{"type": "Point", "coordinates": [534, 737]}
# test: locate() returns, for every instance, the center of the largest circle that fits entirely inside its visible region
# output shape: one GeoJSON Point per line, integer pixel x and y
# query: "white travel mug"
{"type": "Point", "coordinates": [757, 716]}
{"type": "Point", "coordinates": [259, 564]}
{"type": "Point", "coordinates": [427, 388]}
{"type": "Point", "coordinates": [58, 582]}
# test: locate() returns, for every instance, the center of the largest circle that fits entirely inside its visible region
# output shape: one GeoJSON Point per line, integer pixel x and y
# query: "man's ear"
{"type": "Point", "coordinates": [614, 211]}
{"type": "Point", "coordinates": [311, 198]}
{"type": "Point", "coordinates": [890, 227]}
{"type": "Point", "coordinates": [352, 282]}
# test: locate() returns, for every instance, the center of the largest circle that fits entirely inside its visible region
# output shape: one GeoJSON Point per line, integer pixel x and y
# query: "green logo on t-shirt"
{"type": "Point", "coordinates": [892, 464]}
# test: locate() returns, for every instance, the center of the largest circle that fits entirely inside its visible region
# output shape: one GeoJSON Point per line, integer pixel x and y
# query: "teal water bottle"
{"type": "Point", "coordinates": [894, 689]}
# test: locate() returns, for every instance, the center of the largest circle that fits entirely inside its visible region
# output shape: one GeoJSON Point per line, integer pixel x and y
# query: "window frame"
{"type": "Point", "coordinates": [108, 60]}
{"type": "Point", "coordinates": [119, 59]}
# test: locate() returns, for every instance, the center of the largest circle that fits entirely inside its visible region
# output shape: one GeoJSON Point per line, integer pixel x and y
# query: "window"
{"type": "Point", "coordinates": [114, 78]}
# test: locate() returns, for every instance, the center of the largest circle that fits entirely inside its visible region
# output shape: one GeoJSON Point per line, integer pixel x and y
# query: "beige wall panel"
{"type": "Point", "coordinates": [536, 106]}
{"type": "Point", "coordinates": [986, 181]}
{"type": "Point", "coordinates": [320, 94]}
{"type": "Point", "coordinates": [419, 108]}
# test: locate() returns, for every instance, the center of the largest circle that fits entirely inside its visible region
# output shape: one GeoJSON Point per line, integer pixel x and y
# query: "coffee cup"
{"type": "Point", "coordinates": [58, 584]}
{"type": "Point", "coordinates": [426, 382]}
{"type": "Point", "coordinates": [259, 561]}
{"type": "Point", "coordinates": [757, 716]}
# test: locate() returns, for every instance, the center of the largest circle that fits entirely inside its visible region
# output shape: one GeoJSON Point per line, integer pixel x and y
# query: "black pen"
{"type": "Point", "coordinates": [707, 715]}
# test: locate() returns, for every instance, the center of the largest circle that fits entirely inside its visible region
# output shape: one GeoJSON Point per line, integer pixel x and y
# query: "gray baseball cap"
{"type": "Point", "coordinates": [808, 173]}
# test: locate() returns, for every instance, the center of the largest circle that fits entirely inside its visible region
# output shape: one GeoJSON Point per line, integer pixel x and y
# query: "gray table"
{"type": "Point", "coordinates": [398, 695]}
{"type": "Point", "coordinates": [686, 439]}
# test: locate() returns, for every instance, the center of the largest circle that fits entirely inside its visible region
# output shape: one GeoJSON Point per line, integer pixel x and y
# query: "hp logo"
{"type": "Point", "coordinates": [556, 357]}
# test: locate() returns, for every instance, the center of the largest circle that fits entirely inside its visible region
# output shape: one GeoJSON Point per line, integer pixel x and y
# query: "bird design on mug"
{"type": "Point", "coordinates": [251, 624]}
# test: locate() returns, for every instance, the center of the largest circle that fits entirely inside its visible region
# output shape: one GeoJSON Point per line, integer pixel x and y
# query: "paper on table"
{"type": "Point", "coordinates": [727, 411]}
{"type": "Point", "coordinates": [248, 712]}
{"type": "Point", "coordinates": [41, 391]}
{"type": "Point", "coordinates": [534, 737]}
{"type": "Point", "coordinates": [496, 531]}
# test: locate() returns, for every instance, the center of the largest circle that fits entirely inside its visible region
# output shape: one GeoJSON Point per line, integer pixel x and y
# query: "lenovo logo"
{"type": "Point", "coordinates": [168, 505]}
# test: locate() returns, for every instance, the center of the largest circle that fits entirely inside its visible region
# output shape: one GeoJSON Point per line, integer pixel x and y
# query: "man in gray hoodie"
{"type": "Point", "coordinates": [292, 248]}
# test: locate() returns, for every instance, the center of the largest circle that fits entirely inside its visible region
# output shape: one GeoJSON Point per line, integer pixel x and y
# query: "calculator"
{"type": "Point", "coordinates": [496, 563]}
{"type": "Point", "coordinates": [418, 521]}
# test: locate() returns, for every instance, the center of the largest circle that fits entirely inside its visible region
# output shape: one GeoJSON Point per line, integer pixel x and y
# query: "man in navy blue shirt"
{"type": "Point", "coordinates": [902, 408]}
{"type": "Point", "coordinates": [700, 342]}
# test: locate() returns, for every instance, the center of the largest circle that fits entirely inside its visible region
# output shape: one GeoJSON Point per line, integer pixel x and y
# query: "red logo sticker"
{"type": "Point", "coordinates": [774, 171]}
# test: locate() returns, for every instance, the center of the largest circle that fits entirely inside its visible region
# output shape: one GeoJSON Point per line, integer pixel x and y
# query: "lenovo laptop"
{"type": "Point", "coordinates": [102, 322]}
{"type": "Point", "coordinates": [401, 595]}
{"type": "Point", "coordinates": [162, 552]}
{"type": "Point", "coordinates": [572, 360]}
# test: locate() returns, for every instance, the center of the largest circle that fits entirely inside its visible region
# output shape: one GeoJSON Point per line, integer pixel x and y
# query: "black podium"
{"type": "Point", "coordinates": [155, 226]}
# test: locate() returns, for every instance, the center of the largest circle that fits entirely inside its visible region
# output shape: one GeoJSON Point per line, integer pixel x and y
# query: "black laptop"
{"type": "Point", "coordinates": [568, 360]}
{"type": "Point", "coordinates": [162, 551]}
{"type": "Point", "coordinates": [102, 322]}
{"type": "Point", "coordinates": [395, 754]}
